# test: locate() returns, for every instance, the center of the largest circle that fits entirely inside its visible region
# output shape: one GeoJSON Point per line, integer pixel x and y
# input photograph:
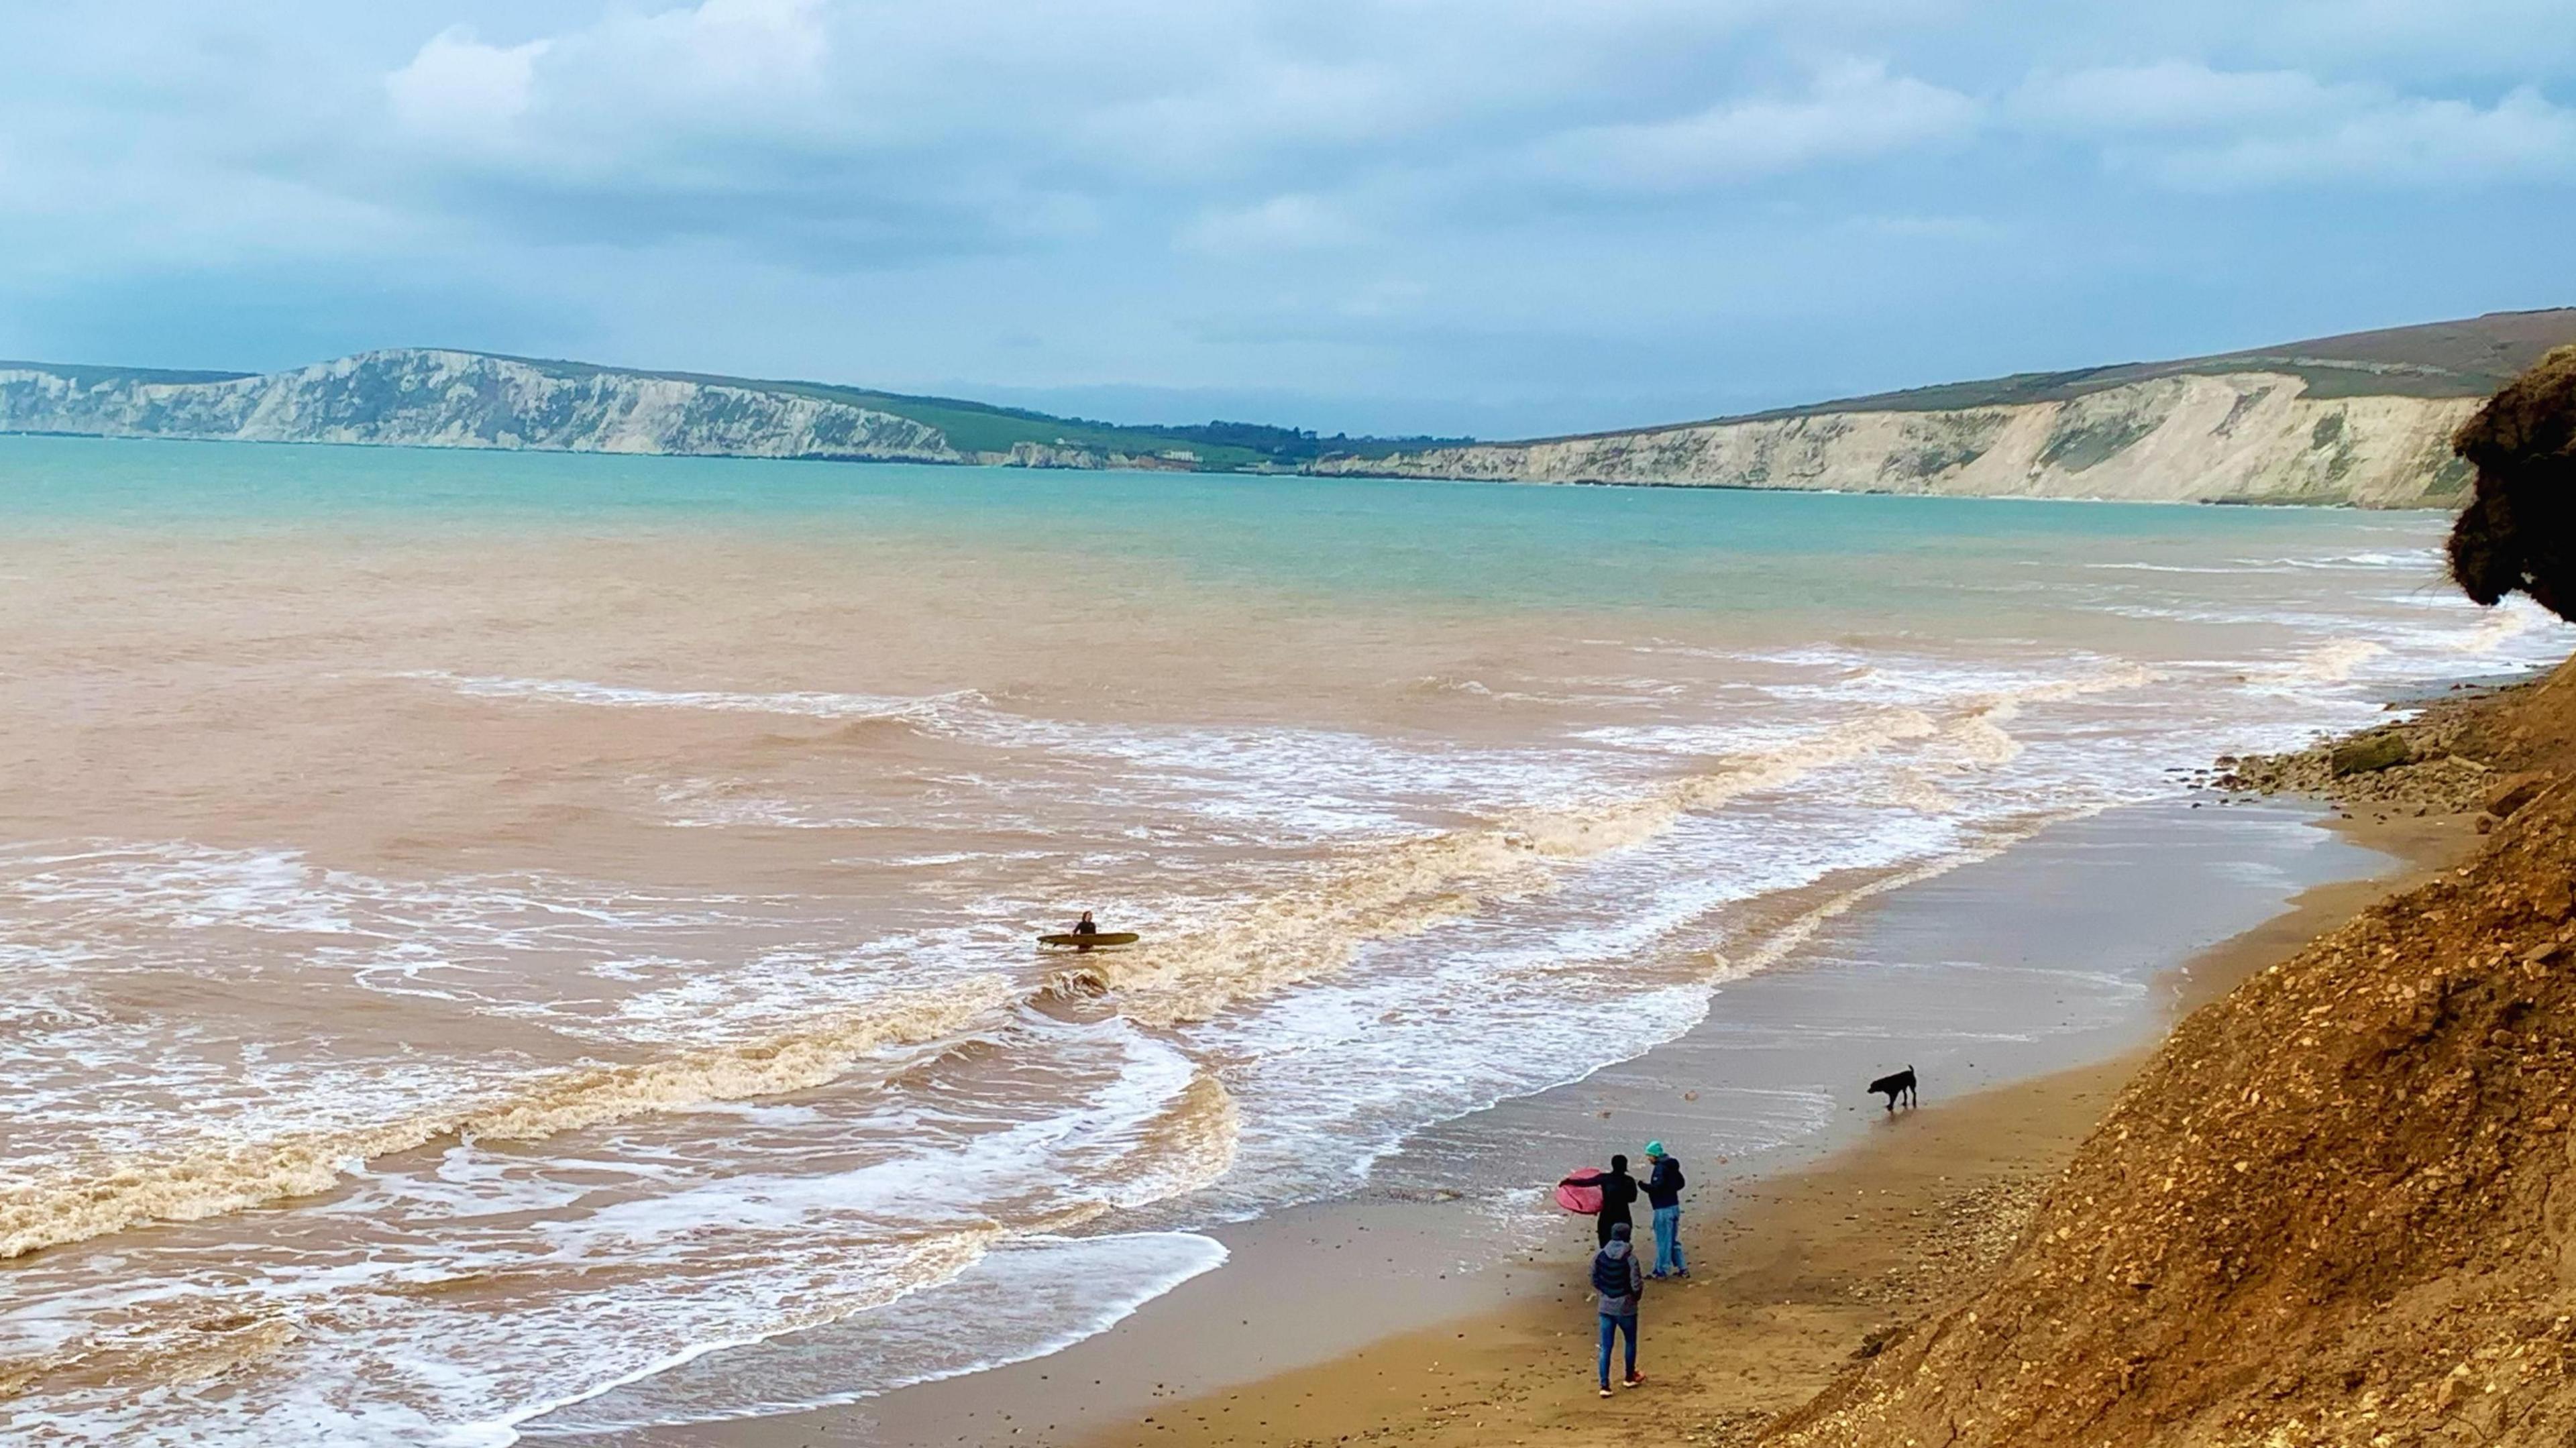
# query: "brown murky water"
{"type": "Point", "coordinates": [478, 930]}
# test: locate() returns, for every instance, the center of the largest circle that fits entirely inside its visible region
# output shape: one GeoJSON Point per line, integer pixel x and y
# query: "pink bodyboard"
{"type": "Point", "coordinates": [1579, 1196]}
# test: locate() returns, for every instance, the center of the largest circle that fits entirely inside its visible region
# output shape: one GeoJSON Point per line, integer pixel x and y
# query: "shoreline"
{"type": "Point", "coordinates": [1302, 1313]}
{"type": "Point", "coordinates": [1802, 1273]}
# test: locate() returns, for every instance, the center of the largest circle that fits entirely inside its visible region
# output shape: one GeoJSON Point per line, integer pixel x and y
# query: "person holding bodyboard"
{"type": "Point", "coordinates": [1617, 1193]}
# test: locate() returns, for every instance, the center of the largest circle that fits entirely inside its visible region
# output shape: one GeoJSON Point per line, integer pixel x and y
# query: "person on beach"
{"type": "Point", "coordinates": [1664, 1194]}
{"type": "Point", "coordinates": [1621, 1284]}
{"type": "Point", "coordinates": [1618, 1194]}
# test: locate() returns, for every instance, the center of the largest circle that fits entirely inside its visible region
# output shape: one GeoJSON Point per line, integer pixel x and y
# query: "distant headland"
{"type": "Point", "coordinates": [2357, 420]}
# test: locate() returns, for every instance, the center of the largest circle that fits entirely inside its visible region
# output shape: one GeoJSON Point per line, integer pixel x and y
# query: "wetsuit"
{"type": "Point", "coordinates": [1618, 1194]}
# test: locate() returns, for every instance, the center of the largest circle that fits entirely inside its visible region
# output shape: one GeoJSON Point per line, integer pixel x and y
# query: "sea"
{"type": "Point", "coordinates": [483, 931]}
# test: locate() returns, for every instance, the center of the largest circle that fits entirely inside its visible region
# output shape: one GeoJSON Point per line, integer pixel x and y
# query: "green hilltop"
{"type": "Point", "coordinates": [973, 427]}
{"type": "Point", "coordinates": [2471, 357]}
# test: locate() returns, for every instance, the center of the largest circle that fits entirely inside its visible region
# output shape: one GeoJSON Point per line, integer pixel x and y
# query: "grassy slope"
{"type": "Point", "coordinates": [2467, 358]}
{"type": "Point", "coordinates": [970, 426]}
{"type": "Point", "coordinates": [85, 374]}
{"type": "Point", "coordinates": [984, 427]}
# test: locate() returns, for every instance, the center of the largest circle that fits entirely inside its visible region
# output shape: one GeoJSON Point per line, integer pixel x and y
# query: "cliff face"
{"type": "Point", "coordinates": [2339, 1207]}
{"type": "Point", "coordinates": [2363, 419]}
{"type": "Point", "coordinates": [461, 399]}
{"type": "Point", "coordinates": [2254, 437]}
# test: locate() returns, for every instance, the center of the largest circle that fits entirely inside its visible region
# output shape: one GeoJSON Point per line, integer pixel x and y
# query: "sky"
{"type": "Point", "coordinates": [1490, 217]}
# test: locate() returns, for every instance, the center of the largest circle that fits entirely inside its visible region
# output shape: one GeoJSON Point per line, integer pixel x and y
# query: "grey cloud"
{"type": "Point", "coordinates": [1850, 110]}
{"type": "Point", "coordinates": [2406, 142]}
{"type": "Point", "coordinates": [1554, 203]}
{"type": "Point", "coordinates": [2197, 126]}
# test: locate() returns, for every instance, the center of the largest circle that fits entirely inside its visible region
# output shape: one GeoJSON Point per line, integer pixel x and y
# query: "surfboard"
{"type": "Point", "coordinates": [1106, 937]}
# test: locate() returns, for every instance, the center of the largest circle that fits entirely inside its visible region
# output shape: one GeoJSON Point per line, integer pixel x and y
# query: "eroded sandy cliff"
{"type": "Point", "coordinates": [2253, 437]}
{"type": "Point", "coordinates": [2339, 1207]}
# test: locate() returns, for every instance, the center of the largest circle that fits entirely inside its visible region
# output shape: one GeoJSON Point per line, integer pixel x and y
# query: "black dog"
{"type": "Point", "coordinates": [1891, 1087]}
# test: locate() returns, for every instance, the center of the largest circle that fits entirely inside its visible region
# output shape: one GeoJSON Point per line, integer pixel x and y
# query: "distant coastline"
{"type": "Point", "coordinates": [2357, 421]}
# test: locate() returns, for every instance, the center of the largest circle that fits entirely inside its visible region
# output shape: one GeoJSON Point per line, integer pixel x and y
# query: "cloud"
{"type": "Point", "coordinates": [457, 86]}
{"type": "Point", "coordinates": [830, 131]}
{"type": "Point", "coordinates": [718, 66]}
{"type": "Point", "coordinates": [1853, 110]}
{"type": "Point", "coordinates": [631, 82]}
{"type": "Point", "coordinates": [2397, 142]}
{"type": "Point", "coordinates": [1297, 222]}
{"type": "Point", "coordinates": [1499, 198]}
{"type": "Point", "coordinates": [2168, 95]}
{"type": "Point", "coordinates": [2196, 127]}
{"type": "Point", "coordinates": [2445, 37]}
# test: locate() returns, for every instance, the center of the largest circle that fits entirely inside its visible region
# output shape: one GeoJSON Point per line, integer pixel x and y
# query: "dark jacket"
{"type": "Point", "coordinates": [1664, 1188]}
{"type": "Point", "coordinates": [1617, 1279]}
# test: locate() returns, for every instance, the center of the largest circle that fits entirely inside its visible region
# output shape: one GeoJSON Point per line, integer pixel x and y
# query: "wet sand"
{"type": "Point", "coordinates": [1408, 1314]}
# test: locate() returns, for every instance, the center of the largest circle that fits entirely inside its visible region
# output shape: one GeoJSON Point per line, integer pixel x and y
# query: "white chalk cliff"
{"type": "Point", "coordinates": [431, 398]}
{"type": "Point", "coordinates": [2363, 419]}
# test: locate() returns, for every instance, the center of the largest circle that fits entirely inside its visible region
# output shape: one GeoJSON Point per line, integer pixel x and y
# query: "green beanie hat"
{"type": "Point", "coordinates": [1654, 1148]}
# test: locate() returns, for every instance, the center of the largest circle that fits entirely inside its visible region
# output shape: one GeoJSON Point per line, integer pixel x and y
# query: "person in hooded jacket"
{"type": "Point", "coordinates": [1621, 1285]}
{"type": "Point", "coordinates": [1664, 1194]}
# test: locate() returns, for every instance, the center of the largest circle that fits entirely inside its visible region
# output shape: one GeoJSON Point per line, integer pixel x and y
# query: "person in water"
{"type": "Point", "coordinates": [1084, 926]}
{"type": "Point", "coordinates": [1621, 1284]}
{"type": "Point", "coordinates": [1618, 1194]}
{"type": "Point", "coordinates": [1664, 1194]}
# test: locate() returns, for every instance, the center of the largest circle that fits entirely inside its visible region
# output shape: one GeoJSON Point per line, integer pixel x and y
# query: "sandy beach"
{"type": "Point", "coordinates": [1803, 1269]}
{"type": "Point", "coordinates": [1401, 1317]}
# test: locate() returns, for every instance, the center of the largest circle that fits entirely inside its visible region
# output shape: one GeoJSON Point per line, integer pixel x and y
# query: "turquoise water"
{"type": "Point", "coordinates": [1486, 544]}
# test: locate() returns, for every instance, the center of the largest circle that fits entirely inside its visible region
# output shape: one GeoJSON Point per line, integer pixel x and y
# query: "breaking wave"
{"type": "Point", "coordinates": [2332, 663]}
{"type": "Point", "coordinates": [926, 710]}
{"type": "Point", "coordinates": [1413, 885]}
{"type": "Point", "coordinates": [67, 1206]}
{"type": "Point", "coordinates": [1390, 890]}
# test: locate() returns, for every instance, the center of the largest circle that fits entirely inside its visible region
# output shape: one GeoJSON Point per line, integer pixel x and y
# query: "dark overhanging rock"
{"type": "Point", "coordinates": [2518, 533]}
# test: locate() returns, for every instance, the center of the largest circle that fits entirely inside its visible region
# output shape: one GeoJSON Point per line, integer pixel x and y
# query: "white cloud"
{"type": "Point", "coordinates": [631, 80]}
{"type": "Point", "coordinates": [2197, 127]}
{"type": "Point", "coordinates": [2170, 95]}
{"type": "Point", "coordinates": [2398, 141]}
{"type": "Point", "coordinates": [1854, 110]}
{"type": "Point", "coordinates": [709, 59]}
{"type": "Point", "coordinates": [457, 86]}
{"type": "Point", "coordinates": [1296, 222]}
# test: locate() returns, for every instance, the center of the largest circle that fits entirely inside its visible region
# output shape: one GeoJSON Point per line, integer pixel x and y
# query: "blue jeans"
{"type": "Point", "coordinates": [1668, 1241]}
{"type": "Point", "coordinates": [1611, 1327]}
